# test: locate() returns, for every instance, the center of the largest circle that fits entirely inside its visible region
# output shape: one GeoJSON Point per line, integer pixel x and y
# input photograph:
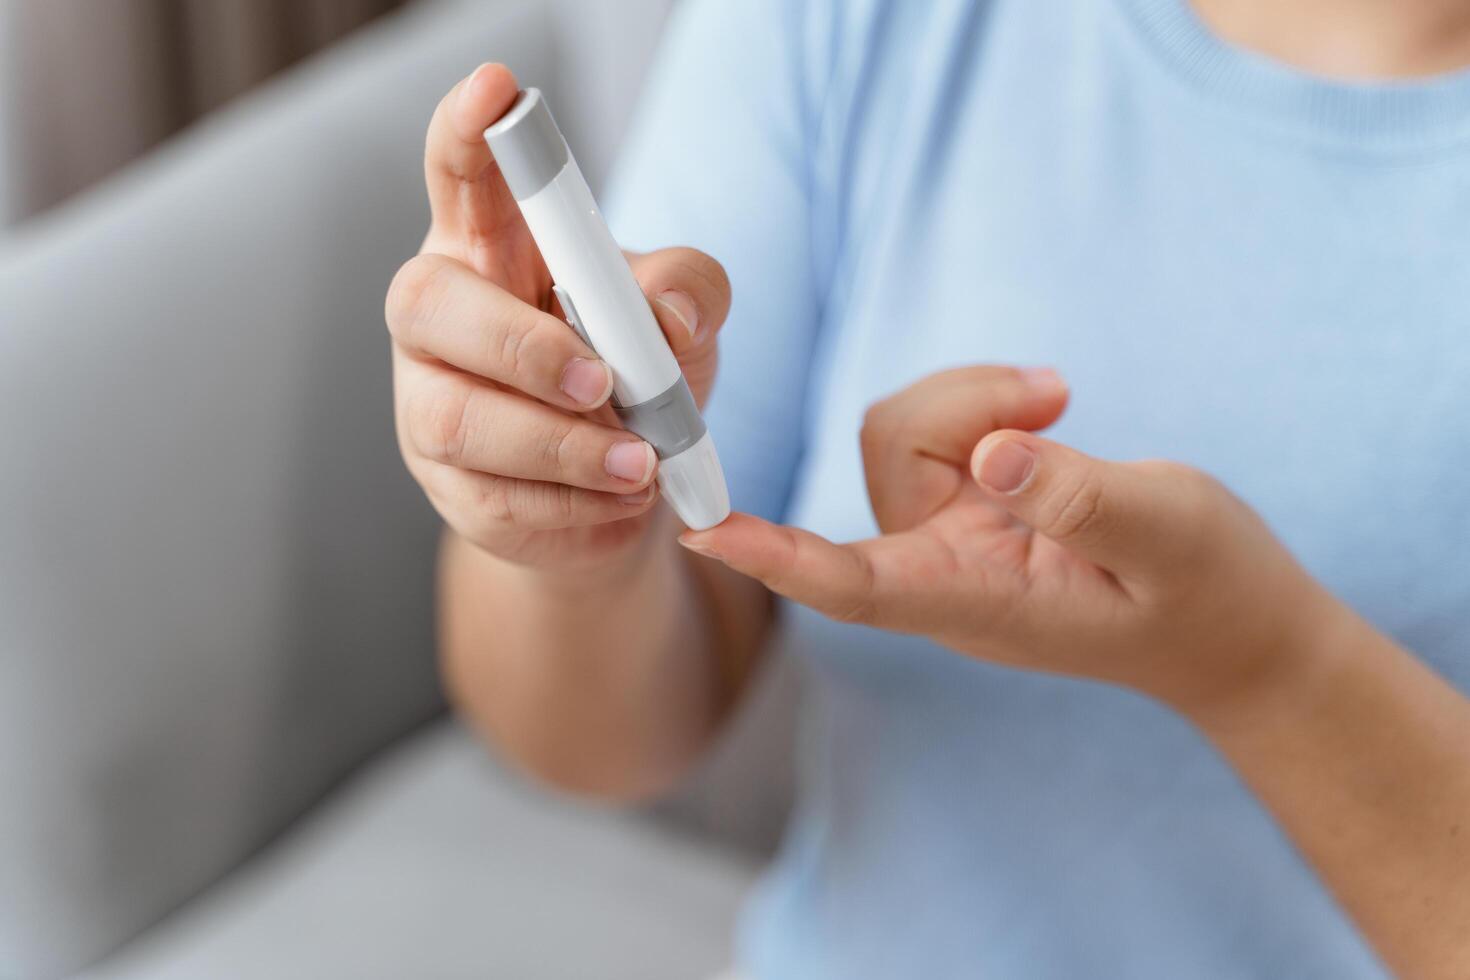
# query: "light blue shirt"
{"type": "Point", "coordinates": [1235, 266]}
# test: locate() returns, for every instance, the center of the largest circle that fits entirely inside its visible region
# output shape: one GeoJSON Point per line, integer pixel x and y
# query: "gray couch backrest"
{"type": "Point", "coordinates": [215, 576]}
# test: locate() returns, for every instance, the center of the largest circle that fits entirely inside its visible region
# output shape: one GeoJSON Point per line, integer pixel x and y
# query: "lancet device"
{"type": "Point", "coordinates": [604, 303]}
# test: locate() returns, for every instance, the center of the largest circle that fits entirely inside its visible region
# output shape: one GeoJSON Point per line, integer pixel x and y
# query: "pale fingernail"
{"type": "Point", "coordinates": [1044, 379]}
{"type": "Point", "coordinates": [632, 461]}
{"type": "Point", "coordinates": [641, 497]}
{"type": "Point", "coordinates": [682, 307]}
{"type": "Point", "coordinates": [700, 548]}
{"type": "Point", "coordinates": [1005, 468]}
{"type": "Point", "coordinates": [587, 382]}
{"type": "Point", "coordinates": [469, 83]}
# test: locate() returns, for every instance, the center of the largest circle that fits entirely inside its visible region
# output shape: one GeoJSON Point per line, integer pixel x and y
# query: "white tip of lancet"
{"type": "Point", "coordinates": [694, 485]}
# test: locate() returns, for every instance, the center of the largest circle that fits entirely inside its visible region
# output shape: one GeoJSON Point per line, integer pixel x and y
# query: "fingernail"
{"type": "Point", "coordinates": [1044, 379]}
{"type": "Point", "coordinates": [1006, 467]}
{"type": "Point", "coordinates": [641, 497]}
{"type": "Point", "coordinates": [682, 307]}
{"type": "Point", "coordinates": [629, 460]}
{"type": "Point", "coordinates": [586, 382]}
{"type": "Point", "coordinates": [469, 83]}
{"type": "Point", "coordinates": [700, 548]}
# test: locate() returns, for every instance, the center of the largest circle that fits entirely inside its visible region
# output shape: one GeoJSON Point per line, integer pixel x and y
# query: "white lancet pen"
{"type": "Point", "coordinates": [604, 303]}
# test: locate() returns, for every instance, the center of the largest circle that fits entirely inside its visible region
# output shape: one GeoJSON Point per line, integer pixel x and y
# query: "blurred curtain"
{"type": "Point", "coordinates": [87, 85]}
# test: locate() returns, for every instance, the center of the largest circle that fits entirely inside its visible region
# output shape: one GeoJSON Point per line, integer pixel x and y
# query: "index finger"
{"type": "Point", "coordinates": [836, 580]}
{"type": "Point", "coordinates": [917, 443]}
{"type": "Point", "coordinates": [897, 582]}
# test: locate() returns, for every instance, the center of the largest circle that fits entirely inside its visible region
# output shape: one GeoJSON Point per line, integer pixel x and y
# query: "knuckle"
{"type": "Point", "coordinates": [507, 345]}
{"type": "Point", "coordinates": [455, 496]}
{"type": "Point", "coordinates": [509, 503]}
{"type": "Point", "coordinates": [556, 445]}
{"type": "Point", "coordinates": [512, 347]}
{"type": "Point", "coordinates": [496, 500]}
{"type": "Point", "coordinates": [548, 504]}
{"type": "Point", "coordinates": [852, 609]}
{"type": "Point", "coordinates": [858, 604]}
{"type": "Point", "coordinates": [563, 503]}
{"type": "Point", "coordinates": [438, 416]}
{"type": "Point", "coordinates": [1073, 509]}
{"type": "Point", "coordinates": [414, 294]}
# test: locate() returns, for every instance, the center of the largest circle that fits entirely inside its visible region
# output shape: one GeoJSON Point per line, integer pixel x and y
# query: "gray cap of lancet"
{"type": "Point", "coordinates": [527, 145]}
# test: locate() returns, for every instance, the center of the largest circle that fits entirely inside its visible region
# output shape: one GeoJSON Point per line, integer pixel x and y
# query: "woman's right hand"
{"type": "Point", "coordinates": [501, 409]}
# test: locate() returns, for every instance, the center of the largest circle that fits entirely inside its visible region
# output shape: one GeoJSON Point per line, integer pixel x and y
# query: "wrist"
{"type": "Point", "coordinates": [1289, 677]}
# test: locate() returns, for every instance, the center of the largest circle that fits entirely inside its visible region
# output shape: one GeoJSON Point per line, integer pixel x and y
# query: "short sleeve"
{"type": "Point", "coordinates": [717, 159]}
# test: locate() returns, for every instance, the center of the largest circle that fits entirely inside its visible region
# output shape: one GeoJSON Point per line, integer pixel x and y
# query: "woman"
{"type": "Point", "coordinates": [1238, 230]}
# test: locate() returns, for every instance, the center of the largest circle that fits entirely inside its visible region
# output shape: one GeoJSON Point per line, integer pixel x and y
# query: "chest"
{"type": "Point", "coordinates": [1298, 325]}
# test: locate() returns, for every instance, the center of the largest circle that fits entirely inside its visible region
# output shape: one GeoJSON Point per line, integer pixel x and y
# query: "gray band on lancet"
{"type": "Point", "coordinates": [670, 422]}
{"type": "Point", "coordinates": [527, 145]}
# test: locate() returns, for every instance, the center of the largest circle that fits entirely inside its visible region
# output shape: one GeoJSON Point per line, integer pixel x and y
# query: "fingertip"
{"type": "Point", "coordinates": [1049, 395]}
{"type": "Point", "coordinates": [982, 449]}
{"type": "Point", "coordinates": [641, 499]}
{"type": "Point", "coordinates": [724, 541]}
{"type": "Point", "coordinates": [632, 461]}
{"type": "Point", "coordinates": [734, 524]}
{"type": "Point", "coordinates": [678, 314]}
{"type": "Point", "coordinates": [587, 382]}
{"type": "Point", "coordinates": [1045, 381]}
{"type": "Point", "coordinates": [699, 543]}
{"type": "Point", "coordinates": [688, 291]}
{"type": "Point", "coordinates": [1004, 461]}
{"type": "Point", "coordinates": [484, 96]}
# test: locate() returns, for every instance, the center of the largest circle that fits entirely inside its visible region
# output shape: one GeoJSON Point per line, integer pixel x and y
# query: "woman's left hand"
{"type": "Point", "coordinates": [1018, 550]}
{"type": "Point", "coordinates": [1014, 549]}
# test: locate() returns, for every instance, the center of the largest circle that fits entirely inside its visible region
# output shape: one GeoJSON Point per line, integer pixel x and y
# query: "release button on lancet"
{"type": "Point", "coordinates": [573, 319]}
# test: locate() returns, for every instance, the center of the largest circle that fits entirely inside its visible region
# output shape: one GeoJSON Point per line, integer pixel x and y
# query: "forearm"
{"type": "Point", "coordinates": [608, 682]}
{"type": "Point", "coordinates": [1363, 755]}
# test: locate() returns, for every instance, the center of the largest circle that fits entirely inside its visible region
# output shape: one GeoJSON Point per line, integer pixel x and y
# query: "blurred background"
{"type": "Point", "coordinates": [223, 748]}
{"type": "Point", "coordinates": [91, 86]}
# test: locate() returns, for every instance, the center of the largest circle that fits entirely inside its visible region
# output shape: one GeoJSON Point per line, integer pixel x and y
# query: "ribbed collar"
{"type": "Point", "coordinates": [1411, 115]}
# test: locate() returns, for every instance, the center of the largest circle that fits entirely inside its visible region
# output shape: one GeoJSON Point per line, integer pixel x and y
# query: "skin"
{"type": "Point", "coordinates": [1351, 40]}
{"type": "Point", "coordinates": [1010, 548]}
{"type": "Point", "coordinates": [601, 658]}
{"type": "Point", "coordinates": [615, 655]}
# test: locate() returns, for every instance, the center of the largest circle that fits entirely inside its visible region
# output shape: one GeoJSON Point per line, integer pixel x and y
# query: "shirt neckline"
{"type": "Point", "coordinates": [1392, 115]}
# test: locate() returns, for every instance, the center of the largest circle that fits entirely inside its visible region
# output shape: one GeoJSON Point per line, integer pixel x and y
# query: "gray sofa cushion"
{"type": "Point", "coordinates": [434, 864]}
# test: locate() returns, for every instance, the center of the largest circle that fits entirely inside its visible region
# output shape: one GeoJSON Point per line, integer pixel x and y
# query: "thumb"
{"type": "Point", "coordinates": [689, 294]}
{"type": "Point", "coordinates": [1121, 516]}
